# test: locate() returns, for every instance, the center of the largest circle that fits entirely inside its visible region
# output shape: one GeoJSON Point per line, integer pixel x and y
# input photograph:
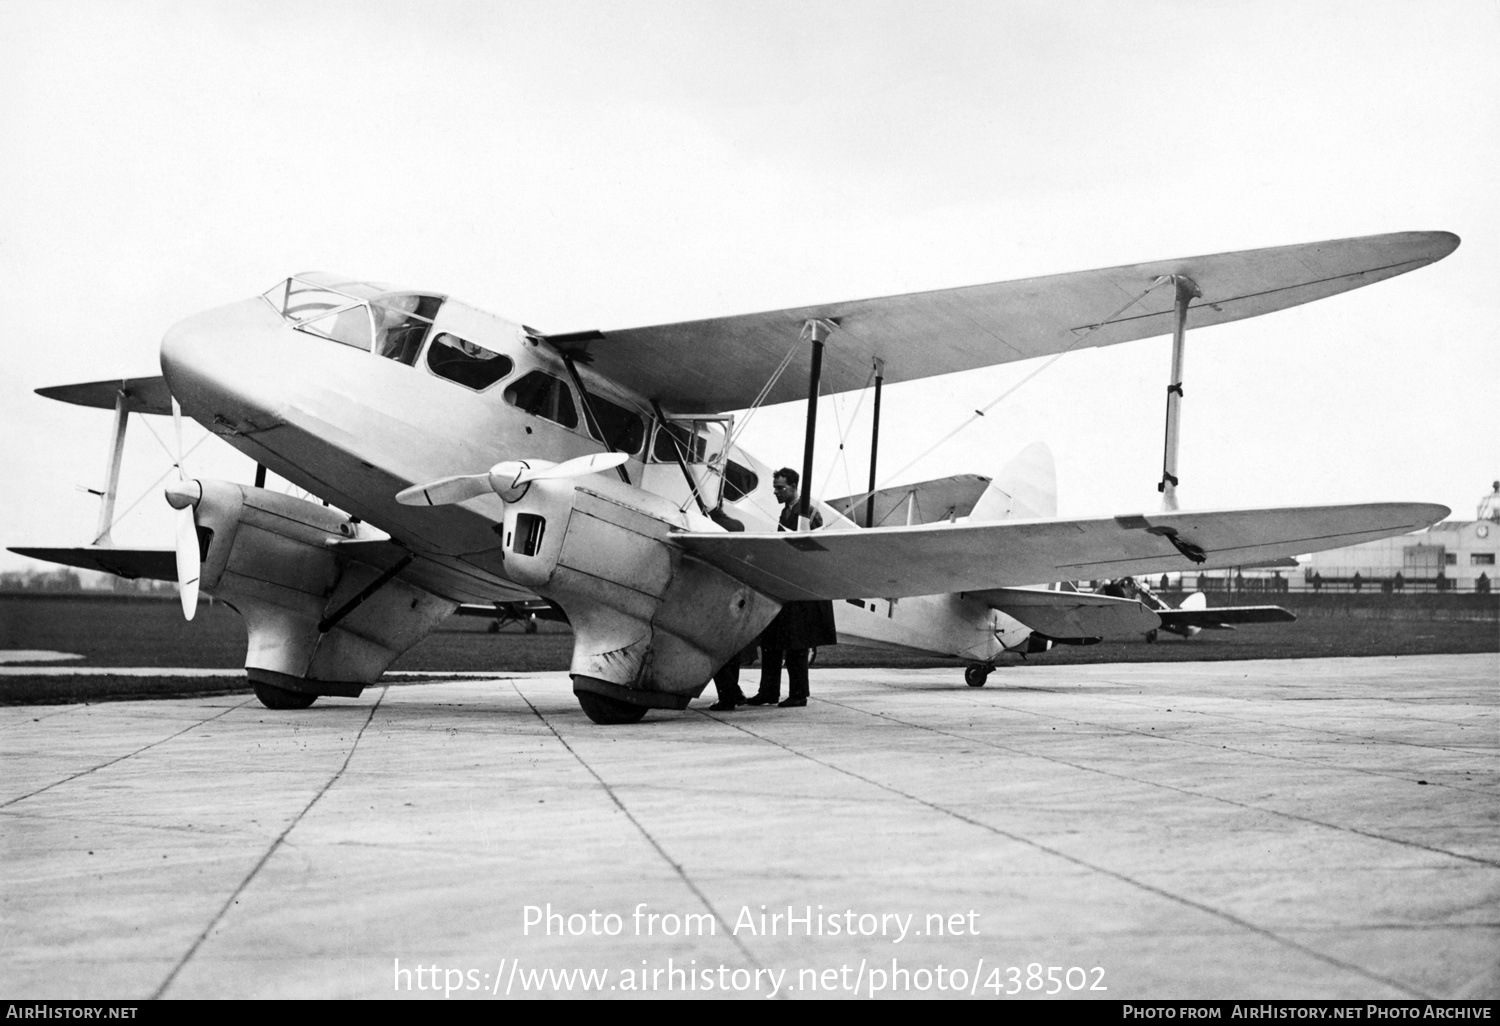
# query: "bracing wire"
{"type": "Point", "coordinates": [977, 414]}
{"type": "Point", "coordinates": [152, 486]}
{"type": "Point", "coordinates": [164, 447]}
{"type": "Point", "coordinates": [765, 391]}
{"type": "Point", "coordinates": [844, 434]}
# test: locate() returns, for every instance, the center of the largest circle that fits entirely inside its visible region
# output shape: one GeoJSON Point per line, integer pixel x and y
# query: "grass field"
{"type": "Point", "coordinates": [110, 632]}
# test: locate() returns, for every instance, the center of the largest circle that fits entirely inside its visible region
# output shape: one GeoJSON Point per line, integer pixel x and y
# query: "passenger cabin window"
{"type": "Point", "coordinates": [621, 429]}
{"type": "Point", "coordinates": [401, 324]}
{"type": "Point", "coordinates": [703, 441]}
{"type": "Point", "coordinates": [696, 441]}
{"type": "Point", "coordinates": [672, 441]}
{"type": "Point", "coordinates": [680, 440]}
{"type": "Point", "coordinates": [462, 361]}
{"type": "Point", "coordinates": [542, 395]}
{"type": "Point", "coordinates": [738, 481]}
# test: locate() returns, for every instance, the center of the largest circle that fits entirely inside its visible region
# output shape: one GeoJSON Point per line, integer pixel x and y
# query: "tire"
{"type": "Point", "coordinates": [1150, 637]}
{"type": "Point", "coordinates": [975, 676]}
{"type": "Point", "coordinates": [609, 711]}
{"type": "Point", "coordinates": [273, 697]}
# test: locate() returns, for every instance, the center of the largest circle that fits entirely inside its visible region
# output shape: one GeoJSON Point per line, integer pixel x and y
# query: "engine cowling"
{"type": "Point", "coordinates": [651, 623]}
{"type": "Point", "coordinates": [274, 559]}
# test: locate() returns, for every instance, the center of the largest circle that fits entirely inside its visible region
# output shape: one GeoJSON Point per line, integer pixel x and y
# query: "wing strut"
{"type": "Point", "coordinates": [588, 411]}
{"type": "Point", "coordinates": [815, 330]}
{"type": "Point", "coordinates": [874, 442]}
{"type": "Point", "coordinates": [1187, 291]}
{"type": "Point", "coordinates": [112, 471]}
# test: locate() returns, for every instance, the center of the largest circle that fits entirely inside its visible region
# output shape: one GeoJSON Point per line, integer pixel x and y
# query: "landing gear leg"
{"type": "Point", "coordinates": [975, 675]}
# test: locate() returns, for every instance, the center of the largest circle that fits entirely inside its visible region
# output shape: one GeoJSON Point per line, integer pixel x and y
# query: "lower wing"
{"type": "Point", "coordinates": [148, 564]}
{"type": "Point", "coordinates": [931, 559]}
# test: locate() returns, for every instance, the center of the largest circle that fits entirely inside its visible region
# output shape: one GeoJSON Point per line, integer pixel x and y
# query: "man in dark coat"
{"type": "Point", "coordinates": [799, 626]}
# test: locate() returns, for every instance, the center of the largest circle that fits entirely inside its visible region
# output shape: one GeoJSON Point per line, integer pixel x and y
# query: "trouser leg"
{"type": "Point", "coordinates": [770, 673]}
{"type": "Point", "coordinates": [727, 681]}
{"type": "Point", "coordinates": [796, 673]}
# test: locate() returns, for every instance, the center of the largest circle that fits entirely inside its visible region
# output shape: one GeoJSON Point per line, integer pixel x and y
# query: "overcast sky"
{"type": "Point", "coordinates": [607, 165]}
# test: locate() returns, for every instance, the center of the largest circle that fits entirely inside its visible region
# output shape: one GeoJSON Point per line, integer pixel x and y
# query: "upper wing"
{"type": "Point", "coordinates": [930, 559]}
{"type": "Point", "coordinates": [142, 395]}
{"type": "Point", "coordinates": [722, 363]}
{"type": "Point", "coordinates": [1071, 614]}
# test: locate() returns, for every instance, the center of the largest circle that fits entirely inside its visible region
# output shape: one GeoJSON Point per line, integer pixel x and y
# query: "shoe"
{"type": "Point", "coordinates": [761, 700]}
{"type": "Point", "coordinates": [722, 706]}
{"type": "Point", "coordinates": [792, 703]}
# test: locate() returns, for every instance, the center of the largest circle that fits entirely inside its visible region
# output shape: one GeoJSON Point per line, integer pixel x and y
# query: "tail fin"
{"type": "Point", "coordinates": [1025, 490]}
{"type": "Point", "coordinates": [1197, 600]}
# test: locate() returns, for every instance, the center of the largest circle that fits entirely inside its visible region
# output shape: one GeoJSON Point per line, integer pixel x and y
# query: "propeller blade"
{"type": "Point", "coordinates": [503, 477]}
{"type": "Point", "coordinates": [576, 467]}
{"type": "Point", "coordinates": [183, 496]}
{"type": "Point", "coordinates": [177, 431]}
{"type": "Point", "coordinates": [445, 490]}
{"type": "Point", "coordinates": [187, 561]}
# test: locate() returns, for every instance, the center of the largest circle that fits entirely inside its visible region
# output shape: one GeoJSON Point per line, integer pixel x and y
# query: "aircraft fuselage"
{"type": "Point", "coordinates": [343, 405]}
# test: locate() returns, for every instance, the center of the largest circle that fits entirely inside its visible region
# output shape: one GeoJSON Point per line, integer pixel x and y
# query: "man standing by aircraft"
{"type": "Point", "coordinates": [799, 626]}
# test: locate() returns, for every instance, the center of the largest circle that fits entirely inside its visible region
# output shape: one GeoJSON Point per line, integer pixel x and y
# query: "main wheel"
{"type": "Point", "coordinates": [1150, 637]}
{"type": "Point", "coordinates": [273, 697]}
{"type": "Point", "coordinates": [608, 711]}
{"type": "Point", "coordinates": [975, 676]}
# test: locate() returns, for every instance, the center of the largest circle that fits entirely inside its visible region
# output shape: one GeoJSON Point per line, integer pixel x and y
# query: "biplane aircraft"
{"type": "Point", "coordinates": [469, 459]}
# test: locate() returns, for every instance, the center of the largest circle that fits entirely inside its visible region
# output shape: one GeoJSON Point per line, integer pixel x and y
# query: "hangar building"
{"type": "Point", "coordinates": [1455, 555]}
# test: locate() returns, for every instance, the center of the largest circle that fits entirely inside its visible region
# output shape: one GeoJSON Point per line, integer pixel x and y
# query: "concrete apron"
{"type": "Point", "coordinates": [1211, 830]}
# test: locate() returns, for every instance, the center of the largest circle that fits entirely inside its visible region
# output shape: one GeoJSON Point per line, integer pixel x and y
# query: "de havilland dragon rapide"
{"type": "Point", "coordinates": [465, 459]}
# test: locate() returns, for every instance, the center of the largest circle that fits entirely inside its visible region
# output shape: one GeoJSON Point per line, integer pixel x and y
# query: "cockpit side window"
{"type": "Point", "coordinates": [468, 364]}
{"type": "Point", "coordinates": [350, 326]}
{"type": "Point", "coordinates": [542, 395]}
{"type": "Point", "coordinates": [401, 324]}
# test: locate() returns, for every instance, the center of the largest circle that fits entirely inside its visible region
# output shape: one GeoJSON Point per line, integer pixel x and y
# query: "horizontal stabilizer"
{"type": "Point", "coordinates": [927, 502]}
{"type": "Point", "coordinates": [931, 559]}
{"type": "Point", "coordinates": [1071, 614]}
{"type": "Point", "coordinates": [1224, 616]}
{"type": "Point", "coordinates": [151, 564]}
{"type": "Point", "coordinates": [142, 395]}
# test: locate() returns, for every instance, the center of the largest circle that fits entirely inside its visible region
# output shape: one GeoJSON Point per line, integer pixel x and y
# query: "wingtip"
{"type": "Point", "coordinates": [1426, 514]}
{"type": "Point", "coordinates": [1446, 241]}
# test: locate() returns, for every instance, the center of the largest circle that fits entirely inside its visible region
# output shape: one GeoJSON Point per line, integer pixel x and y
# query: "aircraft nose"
{"type": "Point", "coordinates": [214, 360]}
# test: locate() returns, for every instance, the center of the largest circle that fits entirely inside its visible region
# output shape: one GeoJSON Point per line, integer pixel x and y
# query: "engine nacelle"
{"type": "Point", "coordinates": [274, 559]}
{"type": "Point", "coordinates": [651, 623]}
